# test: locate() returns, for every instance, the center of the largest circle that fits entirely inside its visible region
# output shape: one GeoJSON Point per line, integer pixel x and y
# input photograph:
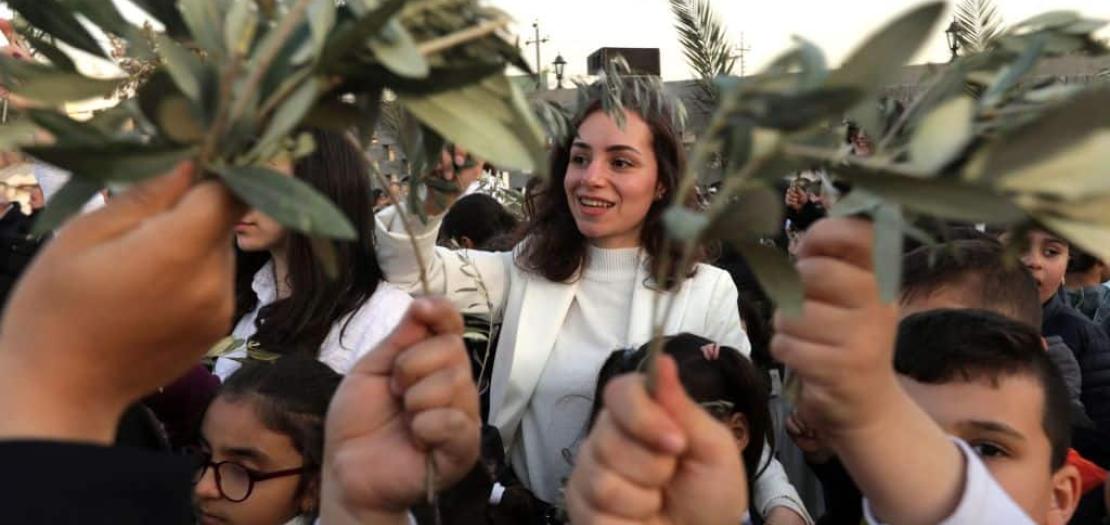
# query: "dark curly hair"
{"type": "Point", "coordinates": [555, 248]}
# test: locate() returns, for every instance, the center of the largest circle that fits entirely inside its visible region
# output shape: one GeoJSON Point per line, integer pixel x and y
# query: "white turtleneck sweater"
{"type": "Point", "coordinates": [555, 423]}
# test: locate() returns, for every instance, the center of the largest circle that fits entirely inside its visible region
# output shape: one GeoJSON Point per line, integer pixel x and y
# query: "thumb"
{"type": "Point", "coordinates": [425, 318]}
{"type": "Point", "coordinates": [707, 438]}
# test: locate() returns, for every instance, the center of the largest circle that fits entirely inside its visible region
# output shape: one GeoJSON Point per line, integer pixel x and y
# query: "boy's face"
{"type": "Point", "coordinates": [1047, 260]}
{"type": "Point", "coordinates": [1002, 423]}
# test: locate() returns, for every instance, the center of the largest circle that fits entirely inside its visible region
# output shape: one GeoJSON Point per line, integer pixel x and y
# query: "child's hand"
{"type": "Point", "coordinates": [796, 197]}
{"type": "Point", "coordinates": [807, 440]}
{"type": "Point", "coordinates": [657, 459]}
{"type": "Point", "coordinates": [842, 344]}
{"type": "Point", "coordinates": [409, 397]}
{"type": "Point", "coordinates": [123, 301]}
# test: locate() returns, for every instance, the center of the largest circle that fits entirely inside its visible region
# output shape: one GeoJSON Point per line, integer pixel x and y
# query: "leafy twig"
{"type": "Point", "coordinates": [261, 66]}
{"type": "Point", "coordinates": [446, 42]}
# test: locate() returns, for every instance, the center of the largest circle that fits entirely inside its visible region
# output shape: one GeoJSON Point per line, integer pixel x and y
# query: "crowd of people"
{"type": "Point", "coordinates": [505, 359]}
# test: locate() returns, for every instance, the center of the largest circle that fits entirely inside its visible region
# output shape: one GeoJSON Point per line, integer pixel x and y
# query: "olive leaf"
{"type": "Point", "coordinates": [183, 66]}
{"type": "Point", "coordinates": [1075, 173]}
{"type": "Point", "coordinates": [289, 200]}
{"type": "Point", "coordinates": [48, 84]}
{"type": "Point", "coordinates": [943, 134]}
{"type": "Point", "coordinates": [485, 119]}
{"type": "Point", "coordinates": [65, 203]}
{"type": "Point", "coordinates": [878, 61]}
{"type": "Point", "coordinates": [776, 275]}
{"type": "Point", "coordinates": [112, 162]}
{"type": "Point", "coordinates": [52, 17]}
{"type": "Point", "coordinates": [889, 240]}
{"type": "Point", "coordinates": [684, 224]}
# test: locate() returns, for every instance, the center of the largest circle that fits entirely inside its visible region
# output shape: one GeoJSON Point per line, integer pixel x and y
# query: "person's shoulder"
{"type": "Point", "coordinates": [387, 297]}
{"type": "Point", "coordinates": [712, 277]}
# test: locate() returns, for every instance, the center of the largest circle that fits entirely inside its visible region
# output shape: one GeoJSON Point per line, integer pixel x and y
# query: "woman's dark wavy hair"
{"type": "Point", "coordinates": [730, 377]}
{"type": "Point", "coordinates": [554, 247]}
{"type": "Point", "coordinates": [290, 397]}
{"type": "Point", "coordinates": [300, 322]}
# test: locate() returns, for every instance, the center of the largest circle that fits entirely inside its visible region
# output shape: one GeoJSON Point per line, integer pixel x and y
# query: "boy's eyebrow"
{"type": "Point", "coordinates": [993, 427]}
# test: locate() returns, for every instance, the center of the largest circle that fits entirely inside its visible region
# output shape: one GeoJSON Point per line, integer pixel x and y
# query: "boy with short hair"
{"type": "Point", "coordinates": [842, 346]}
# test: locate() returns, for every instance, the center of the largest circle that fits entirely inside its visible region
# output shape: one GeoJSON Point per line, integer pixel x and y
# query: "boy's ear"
{"type": "Point", "coordinates": [1065, 495]}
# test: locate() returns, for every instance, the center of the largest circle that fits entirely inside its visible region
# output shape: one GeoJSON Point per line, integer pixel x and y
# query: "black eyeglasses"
{"type": "Point", "coordinates": [234, 481]}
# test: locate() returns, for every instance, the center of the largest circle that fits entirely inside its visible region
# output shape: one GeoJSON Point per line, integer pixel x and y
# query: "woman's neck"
{"type": "Point", "coordinates": [280, 257]}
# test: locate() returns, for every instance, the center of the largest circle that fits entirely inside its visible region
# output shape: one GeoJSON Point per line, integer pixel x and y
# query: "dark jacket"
{"type": "Point", "coordinates": [59, 483]}
{"type": "Point", "coordinates": [1092, 350]}
{"type": "Point", "coordinates": [1065, 361]}
{"type": "Point", "coordinates": [17, 248]}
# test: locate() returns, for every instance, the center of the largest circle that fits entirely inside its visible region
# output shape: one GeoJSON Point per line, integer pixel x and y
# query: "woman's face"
{"type": "Point", "coordinates": [1047, 260]}
{"type": "Point", "coordinates": [612, 179]}
{"type": "Point", "coordinates": [258, 232]}
{"type": "Point", "coordinates": [232, 431]}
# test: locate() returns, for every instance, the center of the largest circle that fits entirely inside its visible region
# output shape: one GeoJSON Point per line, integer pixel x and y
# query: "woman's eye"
{"type": "Point", "coordinates": [622, 164]}
{"type": "Point", "coordinates": [579, 160]}
{"type": "Point", "coordinates": [989, 450]}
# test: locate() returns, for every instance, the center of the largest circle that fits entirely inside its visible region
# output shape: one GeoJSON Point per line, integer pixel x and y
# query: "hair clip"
{"type": "Point", "coordinates": [711, 351]}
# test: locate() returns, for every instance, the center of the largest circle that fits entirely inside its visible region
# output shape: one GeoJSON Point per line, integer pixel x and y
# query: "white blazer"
{"type": "Point", "coordinates": [532, 310]}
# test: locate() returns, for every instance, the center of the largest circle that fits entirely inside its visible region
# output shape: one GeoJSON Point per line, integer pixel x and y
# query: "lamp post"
{"type": "Point", "coordinates": [953, 36]}
{"type": "Point", "coordinates": [560, 67]}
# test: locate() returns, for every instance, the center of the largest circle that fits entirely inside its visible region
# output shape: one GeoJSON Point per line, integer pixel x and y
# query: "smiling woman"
{"type": "Point", "coordinates": [579, 284]}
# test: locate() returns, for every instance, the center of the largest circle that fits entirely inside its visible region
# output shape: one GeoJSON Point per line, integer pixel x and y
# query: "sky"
{"type": "Point", "coordinates": [576, 28]}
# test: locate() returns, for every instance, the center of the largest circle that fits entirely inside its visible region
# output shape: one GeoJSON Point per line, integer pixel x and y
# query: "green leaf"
{"type": "Point", "coordinates": [59, 22]}
{"type": "Point", "coordinates": [888, 250]}
{"type": "Point", "coordinates": [183, 66]}
{"type": "Point", "coordinates": [490, 119]}
{"type": "Point", "coordinates": [396, 50]}
{"type": "Point", "coordinates": [288, 200]}
{"type": "Point", "coordinates": [1058, 128]}
{"type": "Point", "coordinates": [1045, 21]}
{"type": "Point", "coordinates": [16, 134]}
{"type": "Point", "coordinates": [241, 28]}
{"type": "Point", "coordinates": [776, 275]}
{"type": "Point", "coordinates": [289, 115]}
{"type": "Point", "coordinates": [321, 21]}
{"type": "Point", "coordinates": [67, 130]}
{"type": "Point", "coordinates": [878, 62]}
{"type": "Point", "coordinates": [205, 21]}
{"type": "Point", "coordinates": [167, 14]}
{"type": "Point", "coordinates": [178, 119]}
{"type": "Point", "coordinates": [114, 162]}
{"type": "Point", "coordinates": [352, 35]}
{"type": "Point", "coordinates": [1092, 238]}
{"type": "Point", "coordinates": [943, 134]}
{"type": "Point", "coordinates": [684, 224]}
{"type": "Point", "coordinates": [756, 211]}
{"type": "Point", "coordinates": [57, 57]}
{"type": "Point", "coordinates": [942, 198]}
{"type": "Point", "coordinates": [1075, 173]}
{"type": "Point", "coordinates": [51, 85]}
{"type": "Point", "coordinates": [65, 203]}
{"type": "Point", "coordinates": [1013, 72]}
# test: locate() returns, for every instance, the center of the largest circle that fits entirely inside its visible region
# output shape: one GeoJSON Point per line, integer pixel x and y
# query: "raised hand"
{"type": "Point", "coordinates": [123, 301]}
{"type": "Point", "coordinates": [411, 396]}
{"type": "Point", "coordinates": [453, 168]}
{"type": "Point", "coordinates": [657, 459]}
{"type": "Point", "coordinates": [842, 344]}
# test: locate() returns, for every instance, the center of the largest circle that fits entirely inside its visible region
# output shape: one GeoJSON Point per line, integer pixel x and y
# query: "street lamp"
{"type": "Point", "coordinates": [560, 68]}
{"type": "Point", "coordinates": [953, 35]}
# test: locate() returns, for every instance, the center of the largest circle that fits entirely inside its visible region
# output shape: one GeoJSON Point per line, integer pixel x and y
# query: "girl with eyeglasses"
{"type": "Point", "coordinates": [262, 444]}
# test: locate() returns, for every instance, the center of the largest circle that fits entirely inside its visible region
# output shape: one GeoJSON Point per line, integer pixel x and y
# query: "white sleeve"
{"type": "Point", "coordinates": [773, 489]}
{"type": "Point", "coordinates": [473, 280]}
{"type": "Point", "coordinates": [983, 499]}
{"type": "Point", "coordinates": [723, 316]}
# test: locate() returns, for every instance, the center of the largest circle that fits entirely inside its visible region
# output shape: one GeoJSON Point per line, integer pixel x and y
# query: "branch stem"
{"type": "Point", "coordinates": [446, 42]}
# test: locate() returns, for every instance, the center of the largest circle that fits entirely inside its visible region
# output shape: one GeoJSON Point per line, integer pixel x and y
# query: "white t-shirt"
{"type": "Point", "coordinates": [983, 501]}
{"type": "Point", "coordinates": [345, 343]}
